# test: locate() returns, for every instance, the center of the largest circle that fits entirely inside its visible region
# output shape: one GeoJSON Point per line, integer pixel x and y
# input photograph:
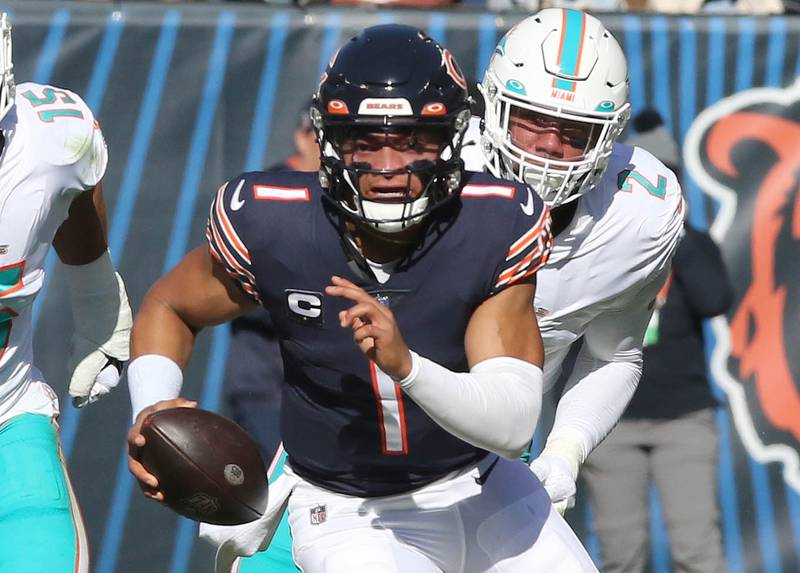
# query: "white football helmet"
{"type": "Point", "coordinates": [6, 67]}
{"type": "Point", "coordinates": [559, 66]}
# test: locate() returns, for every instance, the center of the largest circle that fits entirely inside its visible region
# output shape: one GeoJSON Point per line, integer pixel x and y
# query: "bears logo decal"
{"type": "Point", "coordinates": [744, 151]}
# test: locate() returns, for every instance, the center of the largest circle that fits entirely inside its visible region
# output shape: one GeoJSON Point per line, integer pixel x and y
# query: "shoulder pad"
{"type": "Point", "coordinates": [237, 220]}
{"type": "Point", "coordinates": [520, 221]}
{"type": "Point", "coordinates": [653, 207]}
{"type": "Point", "coordinates": [61, 123]}
{"type": "Point", "coordinates": [651, 187]}
{"type": "Point", "coordinates": [481, 184]}
{"type": "Point", "coordinates": [513, 196]}
{"type": "Point", "coordinates": [660, 190]}
{"type": "Point", "coordinates": [225, 236]}
{"type": "Point", "coordinates": [261, 187]}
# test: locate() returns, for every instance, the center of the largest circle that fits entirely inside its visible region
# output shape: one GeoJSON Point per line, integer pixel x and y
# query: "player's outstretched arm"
{"type": "Point", "coordinates": [496, 405]}
{"type": "Point", "coordinates": [196, 293]}
{"type": "Point", "coordinates": [606, 373]}
{"type": "Point", "coordinates": [100, 306]}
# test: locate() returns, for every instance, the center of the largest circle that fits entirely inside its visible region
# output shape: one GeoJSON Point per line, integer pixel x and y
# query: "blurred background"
{"type": "Point", "coordinates": [190, 94]}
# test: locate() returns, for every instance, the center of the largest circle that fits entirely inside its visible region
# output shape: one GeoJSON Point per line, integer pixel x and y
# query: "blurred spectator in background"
{"type": "Point", "coordinates": [650, 134]}
{"type": "Point", "coordinates": [254, 373]}
{"type": "Point", "coordinates": [306, 157]}
{"type": "Point", "coordinates": [668, 433]}
{"type": "Point", "coordinates": [253, 379]}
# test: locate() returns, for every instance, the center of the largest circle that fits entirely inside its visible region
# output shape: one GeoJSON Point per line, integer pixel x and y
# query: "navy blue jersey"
{"type": "Point", "coordinates": [345, 425]}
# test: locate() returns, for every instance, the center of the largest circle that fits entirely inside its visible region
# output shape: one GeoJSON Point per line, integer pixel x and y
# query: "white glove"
{"type": "Point", "coordinates": [103, 321]}
{"type": "Point", "coordinates": [94, 376]}
{"type": "Point", "coordinates": [558, 479]}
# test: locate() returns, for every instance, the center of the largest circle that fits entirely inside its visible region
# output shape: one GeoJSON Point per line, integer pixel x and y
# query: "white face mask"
{"type": "Point", "coordinates": [556, 181]}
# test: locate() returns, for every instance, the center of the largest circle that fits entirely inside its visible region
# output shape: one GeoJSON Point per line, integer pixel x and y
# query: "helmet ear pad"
{"type": "Point", "coordinates": [565, 66]}
{"type": "Point", "coordinates": [391, 79]}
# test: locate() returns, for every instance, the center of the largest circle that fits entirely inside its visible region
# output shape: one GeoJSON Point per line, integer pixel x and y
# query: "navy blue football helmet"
{"type": "Point", "coordinates": [391, 79]}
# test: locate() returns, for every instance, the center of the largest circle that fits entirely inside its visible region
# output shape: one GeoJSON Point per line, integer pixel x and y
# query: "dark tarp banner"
{"type": "Point", "coordinates": [189, 95]}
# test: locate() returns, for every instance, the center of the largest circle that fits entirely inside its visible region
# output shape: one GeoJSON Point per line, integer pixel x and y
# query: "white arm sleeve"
{"type": "Point", "coordinates": [594, 399]}
{"type": "Point", "coordinates": [495, 406]}
{"type": "Point", "coordinates": [100, 307]}
{"type": "Point", "coordinates": [606, 373]}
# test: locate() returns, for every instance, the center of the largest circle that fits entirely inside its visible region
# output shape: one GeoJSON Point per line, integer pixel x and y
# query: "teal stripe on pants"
{"type": "Point", "coordinates": [278, 557]}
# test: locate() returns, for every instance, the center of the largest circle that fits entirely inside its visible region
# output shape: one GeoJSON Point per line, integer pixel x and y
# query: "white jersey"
{"type": "Point", "coordinates": [610, 259]}
{"type": "Point", "coordinates": [53, 150]}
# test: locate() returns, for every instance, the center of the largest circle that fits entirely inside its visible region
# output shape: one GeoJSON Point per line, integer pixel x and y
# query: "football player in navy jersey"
{"type": "Point", "coordinates": [402, 291]}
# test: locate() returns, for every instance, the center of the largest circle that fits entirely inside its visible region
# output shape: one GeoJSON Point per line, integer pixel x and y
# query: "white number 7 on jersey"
{"type": "Point", "coordinates": [391, 414]}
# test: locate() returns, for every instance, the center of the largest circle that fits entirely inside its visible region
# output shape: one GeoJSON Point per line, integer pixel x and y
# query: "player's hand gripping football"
{"type": "Point", "coordinates": [147, 481]}
{"type": "Point", "coordinates": [374, 327]}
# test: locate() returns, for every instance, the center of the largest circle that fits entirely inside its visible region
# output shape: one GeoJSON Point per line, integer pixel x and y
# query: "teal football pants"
{"type": "Point", "coordinates": [278, 556]}
{"type": "Point", "coordinates": [41, 528]}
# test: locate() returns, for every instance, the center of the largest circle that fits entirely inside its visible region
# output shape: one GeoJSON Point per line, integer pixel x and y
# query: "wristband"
{"type": "Point", "coordinates": [152, 378]}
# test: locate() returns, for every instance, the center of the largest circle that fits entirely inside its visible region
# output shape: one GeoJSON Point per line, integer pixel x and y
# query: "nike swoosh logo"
{"type": "Point", "coordinates": [236, 201]}
{"type": "Point", "coordinates": [527, 208]}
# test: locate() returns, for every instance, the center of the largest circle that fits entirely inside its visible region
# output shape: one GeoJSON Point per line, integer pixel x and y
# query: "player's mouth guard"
{"type": "Point", "coordinates": [234, 541]}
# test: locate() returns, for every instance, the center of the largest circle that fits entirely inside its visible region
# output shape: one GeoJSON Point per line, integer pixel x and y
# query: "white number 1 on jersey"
{"type": "Point", "coordinates": [391, 414]}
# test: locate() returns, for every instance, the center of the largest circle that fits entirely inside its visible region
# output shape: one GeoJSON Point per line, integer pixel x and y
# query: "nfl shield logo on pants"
{"type": "Point", "coordinates": [318, 515]}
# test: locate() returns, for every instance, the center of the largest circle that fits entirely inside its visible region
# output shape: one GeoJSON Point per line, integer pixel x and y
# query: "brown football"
{"type": "Point", "coordinates": [207, 466]}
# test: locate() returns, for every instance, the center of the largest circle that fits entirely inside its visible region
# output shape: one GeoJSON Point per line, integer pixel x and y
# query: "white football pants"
{"type": "Point", "coordinates": [506, 525]}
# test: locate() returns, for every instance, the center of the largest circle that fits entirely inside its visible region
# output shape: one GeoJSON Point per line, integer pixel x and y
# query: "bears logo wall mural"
{"type": "Point", "coordinates": [744, 151]}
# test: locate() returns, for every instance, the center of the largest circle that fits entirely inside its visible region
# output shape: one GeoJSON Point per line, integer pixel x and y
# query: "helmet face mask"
{"type": "Point", "coordinates": [389, 176]}
{"type": "Point", "coordinates": [390, 114]}
{"type": "Point", "coordinates": [7, 89]}
{"type": "Point", "coordinates": [583, 100]}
